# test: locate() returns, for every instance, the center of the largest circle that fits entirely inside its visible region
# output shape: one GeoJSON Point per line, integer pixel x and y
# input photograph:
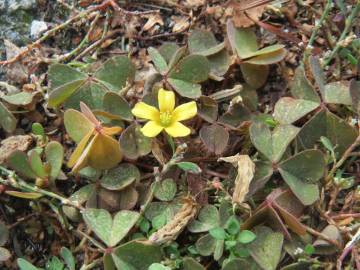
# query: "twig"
{"type": "Point", "coordinates": [182, 32]}
{"type": "Point", "coordinates": [23, 219]}
{"type": "Point", "coordinates": [348, 24]}
{"type": "Point", "coordinates": [216, 174]}
{"type": "Point", "coordinates": [346, 215]}
{"type": "Point", "coordinates": [349, 246]}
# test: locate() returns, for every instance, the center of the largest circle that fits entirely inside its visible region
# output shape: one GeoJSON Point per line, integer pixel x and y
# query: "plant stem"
{"type": "Point", "coordinates": [92, 264]}
{"type": "Point", "coordinates": [344, 157]}
{"type": "Point", "coordinates": [82, 43]}
{"type": "Point", "coordinates": [322, 236]}
{"type": "Point", "coordinates": [18, 183]}
{"type": "Point", "coordinates": [98, 43]}
{"type": "Point", "coordinates": [316, 29]}
{"type": "Point", "coordinates": [348, 24]}
{"type": "Point", "coordinates": [158, 176]}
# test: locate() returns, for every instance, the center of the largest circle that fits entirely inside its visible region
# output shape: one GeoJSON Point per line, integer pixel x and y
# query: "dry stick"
{"type": "Point", "coordinates": [355, 255]}
{"type": "Point", "coordinates": [182, 32]}
{"type": "Point", "coordinates": [346, 215]}
{"type": "Point", "coordinates": [22, 219]}
{"type": "Point", "coordinates": [349, 246]}
{"type": "Point", "coordinates": [348, 24]}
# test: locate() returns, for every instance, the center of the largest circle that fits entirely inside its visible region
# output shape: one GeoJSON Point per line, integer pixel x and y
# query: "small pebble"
{"type": "Point", "coordinates": [37, 27]}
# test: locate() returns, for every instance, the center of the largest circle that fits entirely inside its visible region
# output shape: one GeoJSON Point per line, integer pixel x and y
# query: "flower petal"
{"type": "Point", "coordinates": [105, 153]}
{"type": "Point", "coordinates": [89, 114]}
{"type": "Point", "coordinates": [79, 150]}
{"type": "Point", "coordinates": [177, 130]}
{"type": "Point", "coordinates": [77, 125]}
{"type": "Point", "coordinates": [151, 129]}
{"type": "Point", "coordinates": [82, 161]}
{"type": "Point", "coordinates": [185, 111]}
{"type": "Point", "coordinates": [143, 110]}
{"type": "Point", "coordinates": [166, 100]}
{"type": "Point", "coordinates": [112, 130]}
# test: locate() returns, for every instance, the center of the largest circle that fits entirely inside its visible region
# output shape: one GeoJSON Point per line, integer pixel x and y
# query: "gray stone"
{"type": "Point", "coordinates": [2, 5]}
{"type": "Point", "coordinates": [14, 5]}
{"type": "Point", "coordinates": [37, 27]}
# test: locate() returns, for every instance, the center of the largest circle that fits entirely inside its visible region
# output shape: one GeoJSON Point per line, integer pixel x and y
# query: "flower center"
{"type": "Point", "coordinates": [165, 118]}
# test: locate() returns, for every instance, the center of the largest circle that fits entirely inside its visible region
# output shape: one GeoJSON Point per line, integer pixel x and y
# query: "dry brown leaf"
{"type": "Point", "coordinates": [131, 23]}
{"type": "Point", "coordinates": [246, 9]}
{"type": "Point", "coordinates": [194, 3]}
{"type": "Point", "coordinates": [16, 72]}
{"type": "Point", "coordinates": [153, 19]}
{"type": "Point", "coordinates": [180, 24]}
{"type": "Point", "coordinates": [157, 152]}
{"type": "Point", "coordinates": [172, 229]}
{"type": "Point", "coordinates": [96, 33]}
{"type": "Point", "coordinates": [246, 169]}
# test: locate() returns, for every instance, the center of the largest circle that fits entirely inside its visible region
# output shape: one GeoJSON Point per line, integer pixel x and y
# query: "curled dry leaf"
{"type": "Point", "coordinates": [153, 20]}
{"type": "Point", "coordinates": [180, 24]}
{"type": "Point", "coordinates": [245, 11]}
{"type": "Point", "coordinates": [172, 229]}
{"type": "Point", "coordinates": [194, 3]}
{"type": "Point", "coordinates": [246, 170]}
{"type": "Point", "coordinates": [16, 72]}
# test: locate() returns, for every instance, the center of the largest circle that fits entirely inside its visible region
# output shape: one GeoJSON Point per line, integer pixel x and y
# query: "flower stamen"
{"type": "Point", "coordinates": [165, 118]}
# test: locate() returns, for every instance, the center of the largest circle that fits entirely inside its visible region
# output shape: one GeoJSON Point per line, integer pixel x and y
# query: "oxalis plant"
{"type": "Point", "coordinates": [130, 173]}
{"type": "Point", "coordinates": [107, 133]}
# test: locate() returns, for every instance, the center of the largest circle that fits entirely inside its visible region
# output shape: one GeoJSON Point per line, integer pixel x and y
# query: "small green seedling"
{"type": "Point", "coordinates": [32, 167]}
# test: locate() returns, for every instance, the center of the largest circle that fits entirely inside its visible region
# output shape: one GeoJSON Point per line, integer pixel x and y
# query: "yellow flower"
{"type": "Point", "coordinates": [166, 117]}
{"type": "Point", "coordinates": [96, 146]}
